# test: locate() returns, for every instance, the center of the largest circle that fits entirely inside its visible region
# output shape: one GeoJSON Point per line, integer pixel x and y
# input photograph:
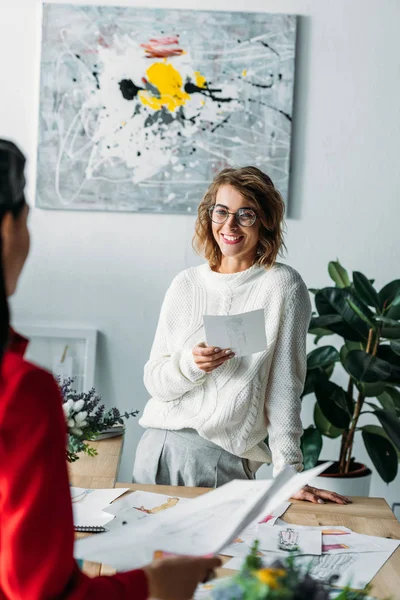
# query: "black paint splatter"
{"type": "Point", "coordinates": [264, 86]}
{"type": "Point", "coordinates": [128, 89]}
{"type": "Point", "coordinates": [221, 124]}
{"type": "Point", "coordinates": [96, 76]}
{"type": "Point", "coordinates": [270, 48]}
{"type": "Point", "coordinates": [191, 88]}
{"type": "Point", "coordinates": [288, 117]}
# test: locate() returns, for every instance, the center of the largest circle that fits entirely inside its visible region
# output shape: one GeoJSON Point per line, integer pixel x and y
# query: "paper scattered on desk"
{"type": "Point", "coordinates": [140, 505]}
{"type": "Point", "coordinates": [356, 566]}
{"type": "Point", "coordinates": [145, 503]}
{"type": "Point", "coordinates": [342, 540]}
{"type": "Point", "coordinates": [88, 505]}
{"type": "Point", "coordinates": [241, 545]}
{"type": "Point", "coordinates": [289, 538]}
{"type": "Point", "coordinates": [202, 526]}
{"type": "Point", "coordinates": [244, 333]}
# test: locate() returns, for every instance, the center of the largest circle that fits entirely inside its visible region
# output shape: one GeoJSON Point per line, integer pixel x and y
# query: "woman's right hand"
{"type": "Point", "coordinates": [176, 577]}
{"type": "Point", "coordinates": [208, 358]}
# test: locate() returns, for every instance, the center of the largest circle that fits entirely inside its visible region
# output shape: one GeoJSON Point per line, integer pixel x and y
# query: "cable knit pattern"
{"type": "Point", "coordinates": [230, 405]}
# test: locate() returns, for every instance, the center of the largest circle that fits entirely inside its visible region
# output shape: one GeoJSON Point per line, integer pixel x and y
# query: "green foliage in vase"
{"type": "Point", "coordinates": [86, 417]}
{"type": "Point", "coordinates": [367, 323]}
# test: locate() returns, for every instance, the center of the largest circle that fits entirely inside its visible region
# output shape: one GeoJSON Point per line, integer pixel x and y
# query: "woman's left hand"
{"type": "Point", "coordinates": [317, 496]}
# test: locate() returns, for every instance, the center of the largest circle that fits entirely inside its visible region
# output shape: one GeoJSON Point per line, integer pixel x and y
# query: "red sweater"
{"type": "Point", "coordinates": [36, 528]}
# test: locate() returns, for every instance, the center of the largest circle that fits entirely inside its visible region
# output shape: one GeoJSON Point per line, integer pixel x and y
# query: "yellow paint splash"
{"type": "Point", "coordinates": [200, 80]}
{"type": "Point", "coordinates": [168, 82]}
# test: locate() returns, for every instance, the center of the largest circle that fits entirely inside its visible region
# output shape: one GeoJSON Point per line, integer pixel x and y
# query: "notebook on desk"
{"type": "Point", "coordinates": [90, 528]}
{"type": "Point", "coordinates": [88, 505]}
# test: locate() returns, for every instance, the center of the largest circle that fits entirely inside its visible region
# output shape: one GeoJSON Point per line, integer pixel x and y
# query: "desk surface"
{"type": "Point", "coordinates": [371, 516]}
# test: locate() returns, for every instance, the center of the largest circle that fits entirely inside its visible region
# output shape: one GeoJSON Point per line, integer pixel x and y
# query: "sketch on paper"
{"type": "Point", "coordinates": [140, 108]}
{"type": "Point", "coordinates": [288, 540]}
{"type": "Point", "coordinates": [170, 503]}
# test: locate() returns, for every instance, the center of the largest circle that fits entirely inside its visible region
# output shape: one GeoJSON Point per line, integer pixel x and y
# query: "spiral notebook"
{"type": "Point", "coordinates": [90, 528]}
{"type": "Point", "coordinates": [88, 505]}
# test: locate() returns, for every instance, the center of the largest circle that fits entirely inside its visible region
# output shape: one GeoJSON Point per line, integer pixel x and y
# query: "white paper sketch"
{"type": "Point", "coordinates": [342, 540]}
{"type": "Point", "coordinates": [244, 333]}
{"type": "Point", "coordinates": [289, 539]}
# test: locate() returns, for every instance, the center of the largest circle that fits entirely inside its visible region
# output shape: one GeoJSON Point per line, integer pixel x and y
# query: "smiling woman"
{"type": "Point", "coordinates": [210, 411]}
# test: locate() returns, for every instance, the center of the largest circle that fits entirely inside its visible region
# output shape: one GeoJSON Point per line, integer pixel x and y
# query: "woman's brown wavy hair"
{"type": "Point", "coordinates": [257, 187]}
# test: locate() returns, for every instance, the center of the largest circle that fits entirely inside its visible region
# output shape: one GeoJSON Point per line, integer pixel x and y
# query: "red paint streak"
{"type": "Point", "coordinates": [103, 42]}
{"type": "Point", "coordinates": [161, 47]}
{"type": "Point", "coordinates": [266, 519]}
{"type": "Point", "coordinates": [165, 41]}
{"type": "Point", "coordinates": [327, 547]}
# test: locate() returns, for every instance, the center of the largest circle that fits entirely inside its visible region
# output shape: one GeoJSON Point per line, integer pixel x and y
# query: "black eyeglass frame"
{"type": "Point", "coordinates": [211, 209]}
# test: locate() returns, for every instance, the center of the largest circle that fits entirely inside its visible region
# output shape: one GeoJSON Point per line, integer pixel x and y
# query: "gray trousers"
{"type": "Point", "coordinates": [183, 457]}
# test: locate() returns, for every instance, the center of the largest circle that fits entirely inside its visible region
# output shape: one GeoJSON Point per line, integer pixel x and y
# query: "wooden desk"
{"type": "Point", "coordinates": [371, 516]}
{"type": "Point", "coordinates": [98, 471]}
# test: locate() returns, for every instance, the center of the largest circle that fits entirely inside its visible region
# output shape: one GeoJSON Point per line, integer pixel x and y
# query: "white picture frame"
{"type": "Point", "coordinates": [69, 352]}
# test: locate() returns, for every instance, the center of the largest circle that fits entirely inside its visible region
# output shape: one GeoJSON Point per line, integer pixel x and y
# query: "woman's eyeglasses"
{"type": "Point", "coordinates": [245, 217]}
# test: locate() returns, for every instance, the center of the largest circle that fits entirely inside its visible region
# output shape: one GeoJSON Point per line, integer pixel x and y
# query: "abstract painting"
{"type": "Point", "coordinates": [140, 108]}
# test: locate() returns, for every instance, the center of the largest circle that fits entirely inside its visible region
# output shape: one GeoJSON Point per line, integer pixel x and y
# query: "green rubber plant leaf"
{"type": "Point", "coordinates": [391, 332]}
{"type": "Point", "coordinates": [363, 314]}
{"type": "Point", "coordinates": [322, 357]}
{"type": "Point", "coordinates": [366, 291]}
{"type": "Point", "coordinates": [334, 301]}
{"type": "Point", "coordinates": [338, 274]}
{"type": "Point", "coordinates": [382, 453]}
{"type": "Point", "coordinates": [391, 424]}
{"type": "Point", "coordinates": [313, 375]}
{"type": "Point", "coordinates": [395, 346]}
{"type": "Point", "coordinates": [385, 352]}
{"type": "Point", "coordinates": [389, 299]}
{"type": "Point", "coordinates": [319, 333]}
{"type": "Point", "coordinates": [319, 326]}
{"type": "Point", "coordinates": [380, 431]}
{"type": "Point", "coordinates": [387, 403]}
{"type": "Point", "coordinates": [365, 367]}
{"type": "Point", "coordinates": [390, 396]}
{"type": "Point", "coordinates": [311, 446]}
{"type": "Point", "coordinates": [332, 402]}
{"type": "Point", "coordinates": [371, 390]}
{"type": "Point", "coordinates": [325, 427]}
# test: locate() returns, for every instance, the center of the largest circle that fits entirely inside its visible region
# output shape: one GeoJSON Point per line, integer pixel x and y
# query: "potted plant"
{"type": "Point", "coordinates": [285, 579]}
{"type": "Point", "coordinates": [367, 323]}
{"type": "Point", "coordinates": [86, 418]}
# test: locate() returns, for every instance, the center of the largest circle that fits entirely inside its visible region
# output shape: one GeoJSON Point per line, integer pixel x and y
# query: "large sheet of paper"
{"type": "Point", "coordinates": [243, 334]}
{"type": "Point", "coordinates": [202, 526]}
{"type": "Point", "coordinates": [88, 505]}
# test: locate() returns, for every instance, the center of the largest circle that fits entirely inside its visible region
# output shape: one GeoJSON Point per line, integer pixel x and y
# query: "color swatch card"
{"type": "Point", "coordinates": [244, 333]}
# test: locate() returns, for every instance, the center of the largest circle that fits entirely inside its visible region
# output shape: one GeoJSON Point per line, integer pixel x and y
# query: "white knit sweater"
{"type": "Point", "coordinates": [230, 405]}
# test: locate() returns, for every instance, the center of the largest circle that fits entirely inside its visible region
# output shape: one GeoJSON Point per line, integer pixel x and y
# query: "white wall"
{"type": "Point", "coordinates": [110, 271]}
